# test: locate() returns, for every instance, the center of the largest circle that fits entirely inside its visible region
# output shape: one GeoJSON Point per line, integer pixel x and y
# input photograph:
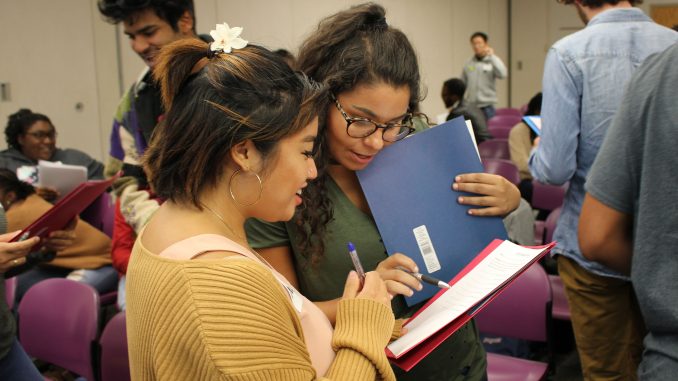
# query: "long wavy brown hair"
{"type": "Point", "coordinates": [349, 48]}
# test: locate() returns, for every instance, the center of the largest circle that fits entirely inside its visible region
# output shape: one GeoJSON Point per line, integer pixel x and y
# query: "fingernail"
{"type": "Point", "coordinates": [461, 200]}
{"type": "Point", "coordinates": [410, 293]}
{"type": "Point", "coordinates": [416, 269]}
{"type": "Point", "coordinates": [455, 186]}
{"type": "Point", "coordinates": [470, 212]}
{"type": "Point", "coordinates": [457, 178]}
{"type": "Point", "coordinates": [420, 287]}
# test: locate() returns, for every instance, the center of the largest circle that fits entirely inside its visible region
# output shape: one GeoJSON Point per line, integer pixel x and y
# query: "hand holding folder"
{"type": "Point", "coordinates": [408, 187]}
{"type": "Point", "coordinates": [474, 287]}
{"type": "Point", "coordinates": [64, 211]}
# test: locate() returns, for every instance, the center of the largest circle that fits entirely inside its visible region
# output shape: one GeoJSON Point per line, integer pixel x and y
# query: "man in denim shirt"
{"type": "Point", "coordinates": [584, 78]}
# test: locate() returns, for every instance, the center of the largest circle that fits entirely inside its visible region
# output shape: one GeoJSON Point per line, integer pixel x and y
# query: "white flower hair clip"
{"type": "Point", "coordinates": [226, 39]}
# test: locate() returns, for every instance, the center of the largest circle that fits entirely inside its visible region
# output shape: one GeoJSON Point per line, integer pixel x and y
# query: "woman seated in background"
{"type": "Point", "coordinates": [14, 362]}
{"type": "Point", "coordinates": [237, 142]}
{"type": "Point", "coordinates": [31, 137]}
{"type": "Point", "coordinates": [87, 260]}
{"type": "Point", "coordinates": [520, 144]}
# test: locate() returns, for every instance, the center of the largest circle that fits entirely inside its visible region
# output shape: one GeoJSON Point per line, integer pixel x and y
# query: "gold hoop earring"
{"type": "Point", "coordinates": [230, 188]}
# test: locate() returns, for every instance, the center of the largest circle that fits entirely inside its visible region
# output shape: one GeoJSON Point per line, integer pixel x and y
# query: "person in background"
{"type": "Point", "coordinates": [453, 97]}
{"type": "Point", "coordinates": [372, 72]}
{"type": "Point", "coordinates": [15, 364]}
{"type": "Point", "coordinates": [200, 301]}
{"type": "Point", "coordinates": [31, 137]}
{"type": "Point", "coordinates": [585, 75]}
{"type": "Point", "coordinates": [88, 258]}
{"type": "Point", "coordinates": [125, 234]}
{"type": "Point", "coordinates": [629, 218]}
{"type": "Point", "coordinates": [521, 140]}
{"type": "Point", "coordinates": [150, 25]}
{"type": "Point", "coordinates": [480, 74]}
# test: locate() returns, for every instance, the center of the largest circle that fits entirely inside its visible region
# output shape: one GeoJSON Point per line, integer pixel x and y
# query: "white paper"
{"type": "Point", "coordinates": [491, 273]}
{"type": "Point", "coordinates": [469, 125]}
{"type": "Point", "coordinates": [62, 177]}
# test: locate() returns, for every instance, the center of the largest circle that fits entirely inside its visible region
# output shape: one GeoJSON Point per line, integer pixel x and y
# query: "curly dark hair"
{"type": "Point", "coordinates": [10, 183]}
{"type": "Point", "coordinates": [350, 48]}
{"type": "Point", "coordinates": [116, 11]}
{"type": "Point", "coordinates": [19, 122]}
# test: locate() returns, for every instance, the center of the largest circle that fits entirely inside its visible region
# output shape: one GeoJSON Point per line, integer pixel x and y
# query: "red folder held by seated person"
{"type": "Point", "coordinates": [472, 289]}
{"type": "Point", "coordinates": [71, 205]}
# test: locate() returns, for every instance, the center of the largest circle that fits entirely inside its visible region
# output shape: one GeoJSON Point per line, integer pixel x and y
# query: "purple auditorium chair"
{"type": "Point", "coordinates": [500, 126]}
{"type": "Point", "coordinates": [10, 291]}
{"type": "Point", "coordinates": [494, 149]}
{"type": "Point", "coordinates": [504, 120]}
{"type": "Point", "coordinates": [560, 309]}
{"type": "Point", "coordinates": [508, 111]}
{"type": "Point", "coordinates": [101, 214]}
{"type": "Point", "coordinates": [58, 323]}
{"type": "Point", "coordinates": [500, 131]}
{"type": "Point", "coordinates": [543, 230]}
{"type": "Point", "coordinates": [114, 358]}
{"type": "Point", "coordinates": [521, 311]}
{"type": "Point", "coordinates": [550, 224]}
{"type": "Point", "coordinates": [547, 197]}
{"type": "Point", "coordinates": [504, 168]}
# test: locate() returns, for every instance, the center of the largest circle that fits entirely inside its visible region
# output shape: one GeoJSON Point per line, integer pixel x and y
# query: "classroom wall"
{"type": "Point", "coordinates": [438, 29]}
{"type": "Point", "coordinates": [60, 58]}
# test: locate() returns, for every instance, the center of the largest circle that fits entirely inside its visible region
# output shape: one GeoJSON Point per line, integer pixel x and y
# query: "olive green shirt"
{"type": "Point", "coordinates": [461, 357]}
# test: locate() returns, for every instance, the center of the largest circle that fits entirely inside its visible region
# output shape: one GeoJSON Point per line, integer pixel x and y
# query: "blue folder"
{"type": "Point", "coordinates": [534, 122]}
{"type": "Point", "coordinates": [408, 187]}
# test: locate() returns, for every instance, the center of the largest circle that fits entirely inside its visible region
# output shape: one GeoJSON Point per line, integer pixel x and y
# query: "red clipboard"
{"type": "Point", "coordinates": [71, 205]}
{"type": "Point", "coordinates": [410, 358]}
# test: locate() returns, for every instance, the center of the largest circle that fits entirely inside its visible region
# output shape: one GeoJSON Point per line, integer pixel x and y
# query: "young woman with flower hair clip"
{"type": "Point", "coordinates": [237, 142]}
{"type": "Point", "coordinates": [372, 73]}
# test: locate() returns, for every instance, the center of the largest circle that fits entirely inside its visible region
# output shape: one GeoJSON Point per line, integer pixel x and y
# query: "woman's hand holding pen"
{"type": "Point", "coordinates": [399, 282]}
{"type": "Point", "coordinates": [373, 289]}
{"type": "Point", "coordinates": [496, 195]}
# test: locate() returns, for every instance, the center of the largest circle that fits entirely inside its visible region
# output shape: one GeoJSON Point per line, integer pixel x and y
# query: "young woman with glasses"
{"type": "Point", "coordinates": [372, 73]}
{"type": "Point", "coordinates": [32, 137]}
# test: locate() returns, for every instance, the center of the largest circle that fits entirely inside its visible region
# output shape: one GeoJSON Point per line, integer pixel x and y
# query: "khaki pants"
{"type": "Point", "coordinates": [606, 320]}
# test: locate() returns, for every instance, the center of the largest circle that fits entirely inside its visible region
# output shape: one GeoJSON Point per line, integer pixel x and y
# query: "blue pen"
{"type": "Point", "coordinates": [356, 263]}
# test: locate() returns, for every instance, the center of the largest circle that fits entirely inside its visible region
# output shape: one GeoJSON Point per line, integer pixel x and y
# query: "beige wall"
{"type": "Point", "coordinates": [50, 61]}
{"type": "Point", "coordinates": [536, 25]}
{"type": "Point", "coordinates": [62, 59]}
{"type": "Point", "coordinates": [438, 29]}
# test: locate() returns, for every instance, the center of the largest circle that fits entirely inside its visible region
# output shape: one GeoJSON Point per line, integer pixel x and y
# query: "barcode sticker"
{"type": "Point", "coordinates": [426, 248]}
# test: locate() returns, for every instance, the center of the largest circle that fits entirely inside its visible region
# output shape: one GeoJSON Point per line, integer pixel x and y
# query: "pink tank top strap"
{"type": "Point", "coordinates": [191, 247]}
{"type": "Point", "coordinates": [317, 328]}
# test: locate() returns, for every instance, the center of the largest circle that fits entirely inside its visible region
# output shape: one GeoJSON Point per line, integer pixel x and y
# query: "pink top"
{"type": "Point", "coordinates": [317, 328]}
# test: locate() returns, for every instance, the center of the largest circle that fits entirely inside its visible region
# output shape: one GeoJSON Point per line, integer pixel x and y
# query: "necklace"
{"type": "Point", "coordinates": [236, 234]}
{"type": "Point", "coordinates": [230, 229]}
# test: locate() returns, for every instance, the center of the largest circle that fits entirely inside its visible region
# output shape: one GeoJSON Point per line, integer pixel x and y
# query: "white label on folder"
{"type": "Point", "coordinates": [426, 248]}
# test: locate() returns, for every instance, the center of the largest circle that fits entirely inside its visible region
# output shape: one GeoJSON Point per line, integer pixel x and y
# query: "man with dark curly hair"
{"type": "Point", "coordinates": [150, 25]}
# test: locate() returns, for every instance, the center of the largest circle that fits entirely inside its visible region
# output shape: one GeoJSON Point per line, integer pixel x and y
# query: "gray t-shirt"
{"type": "Point", "coordinates": [636, 173]}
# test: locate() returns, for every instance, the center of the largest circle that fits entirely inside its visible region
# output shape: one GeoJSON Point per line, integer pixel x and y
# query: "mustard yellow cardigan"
{"type": "Point", "coordinates": [230, 319]}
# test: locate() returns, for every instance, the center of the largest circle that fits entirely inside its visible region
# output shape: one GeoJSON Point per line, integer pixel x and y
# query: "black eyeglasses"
{"type": "Point", "coordinates": [40, 135]}
{"type": "Point", "coordinates": [357, 127]}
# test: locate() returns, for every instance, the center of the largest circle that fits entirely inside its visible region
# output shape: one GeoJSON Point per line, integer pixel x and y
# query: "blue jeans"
{"type": "Point", "coordinates": [104, 279]}
{"type": "Point", "coordinates": [17, 366]}
{"type": "Point", "coordinates": [489, 111]}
